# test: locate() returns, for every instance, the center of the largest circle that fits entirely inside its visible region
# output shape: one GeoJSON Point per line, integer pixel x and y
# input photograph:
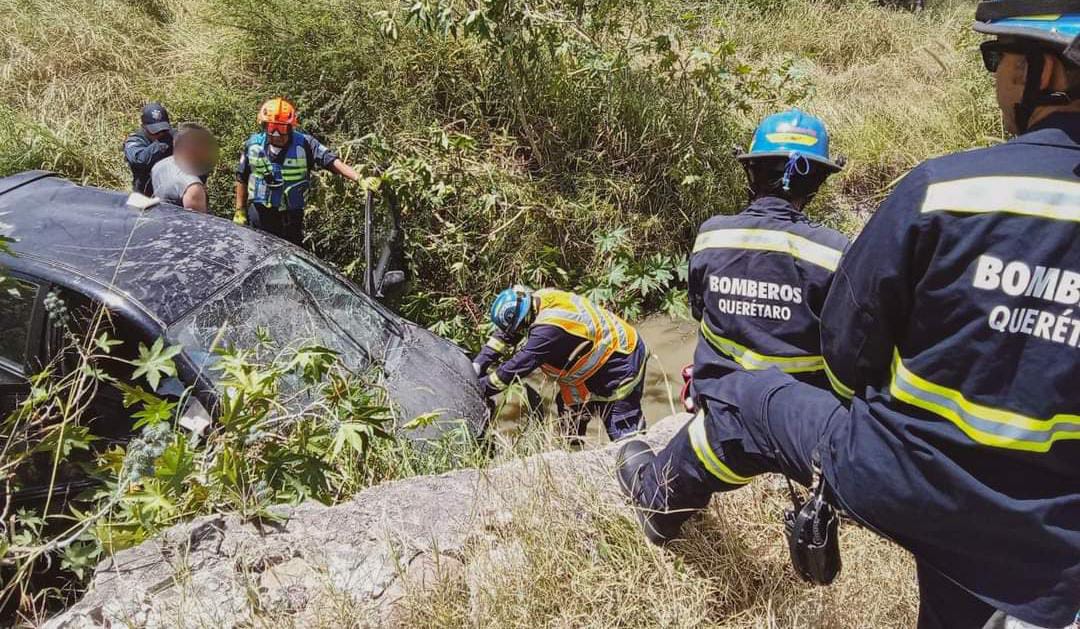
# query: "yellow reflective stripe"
{"type": "Point", "coordinates": [770, 240]}
{"type": "Point", "coordinates": [793, 138]}
{"type": "Point", "coordinates": [496, 344]}
{"type": "Point", "coordinates": [983, 424]}
{"type": "Point", "coordinates": [1055, 199]}
{"type": "Point", "coordinates": [841, 389]}
{"type": "Point", "coordinates": [699, 440]}
{"type": "Point", "coordinates": [749, 359]}
{"type": "Point", "coordinates": [625, 389]}
{"type": "Point", "coordinates": [497, 382]}
{"type": "Point", "coordinates": [601, 349]}
{"type": "Point", "coordinates": [573, 326]}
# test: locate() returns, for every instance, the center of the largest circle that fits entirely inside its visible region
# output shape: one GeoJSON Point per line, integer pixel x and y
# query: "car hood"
{"type": "Point", "coordinates": [428, 374]}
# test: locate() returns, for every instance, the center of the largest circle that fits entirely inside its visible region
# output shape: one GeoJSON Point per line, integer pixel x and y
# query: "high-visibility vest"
{"type": "Point", "coordinates": [607, 332]}
{"type": "Point", "coordinates": [279, 185]}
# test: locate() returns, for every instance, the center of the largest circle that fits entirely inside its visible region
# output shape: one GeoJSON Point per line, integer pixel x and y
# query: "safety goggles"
{"type": "Point", "coordinates": [277, 129]}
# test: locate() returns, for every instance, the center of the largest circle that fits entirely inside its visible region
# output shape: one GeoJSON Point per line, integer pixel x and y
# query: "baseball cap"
{"type": "Point", "coordinates": [155, 118]}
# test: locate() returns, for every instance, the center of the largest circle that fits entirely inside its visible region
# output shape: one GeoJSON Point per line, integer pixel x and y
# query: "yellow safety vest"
{"type": "Point", "coordinates": [608, 333]}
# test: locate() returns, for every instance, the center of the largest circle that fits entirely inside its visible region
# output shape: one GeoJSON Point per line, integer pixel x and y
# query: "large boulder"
{"type": "Point", "coordinates": [223, 570]}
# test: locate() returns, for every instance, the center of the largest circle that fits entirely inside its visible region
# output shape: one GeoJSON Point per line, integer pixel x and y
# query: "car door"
{"type": "Point", "coordinates": [21, 311]}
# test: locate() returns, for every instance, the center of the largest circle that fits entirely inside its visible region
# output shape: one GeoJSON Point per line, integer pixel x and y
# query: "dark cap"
{"type": "Point", "coordinates": [155, 118]}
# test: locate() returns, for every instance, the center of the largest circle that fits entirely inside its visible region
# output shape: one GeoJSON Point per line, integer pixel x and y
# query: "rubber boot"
{"type": "Point", "coordinates": [634, 458]}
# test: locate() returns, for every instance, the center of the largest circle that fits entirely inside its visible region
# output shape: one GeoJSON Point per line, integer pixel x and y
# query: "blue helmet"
{"type": "Point", "coordinates": [792, 134]}
{"type": "Point", "coordinates": [511, 309]}
{"type": "Point", "coordinates": [1030, 28]}
{"type": "Point", "coordinates": [1054, 24]}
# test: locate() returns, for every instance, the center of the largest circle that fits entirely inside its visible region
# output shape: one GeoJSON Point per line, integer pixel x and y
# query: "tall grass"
{"type": "Point", "coordinates": [511, 145]}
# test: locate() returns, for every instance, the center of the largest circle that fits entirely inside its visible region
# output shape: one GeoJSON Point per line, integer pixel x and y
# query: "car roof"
{"type": "Point", "coordinates": [166, 259]}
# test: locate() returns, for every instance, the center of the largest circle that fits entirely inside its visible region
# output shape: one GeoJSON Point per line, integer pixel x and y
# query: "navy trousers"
{"type": "Point", "coordinates": [722, 449]}
{"type": "Point", "coordinates": [621, 418]}
{"type": "Point", "coordinates": [287, 224]}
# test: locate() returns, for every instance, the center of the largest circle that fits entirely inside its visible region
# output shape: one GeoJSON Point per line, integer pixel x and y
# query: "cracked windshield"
{"type": "Point", "coordinates": [291, 301]}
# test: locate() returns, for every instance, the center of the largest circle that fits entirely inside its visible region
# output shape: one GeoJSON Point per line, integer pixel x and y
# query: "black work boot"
{"type": "Point", "coordinates": [633, 459]}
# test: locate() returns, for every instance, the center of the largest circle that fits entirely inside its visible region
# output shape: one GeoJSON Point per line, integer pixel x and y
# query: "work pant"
{"type": "Point", "coordinates": [722, 449]}
{"type": "Point", "coordinates": [287, 224]}
{"type": "Point", "coordinates": [621, 418]}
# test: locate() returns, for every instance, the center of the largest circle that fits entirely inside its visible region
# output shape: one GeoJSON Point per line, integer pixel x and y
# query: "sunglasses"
{"type": "Point", "coordinates": [277, 129]}
{"type": "Point", "coordinates": [994, 51]}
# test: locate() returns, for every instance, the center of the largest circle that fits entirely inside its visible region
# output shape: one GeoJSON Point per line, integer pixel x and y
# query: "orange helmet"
{"type": "Point", "coordinates": [277, 114]}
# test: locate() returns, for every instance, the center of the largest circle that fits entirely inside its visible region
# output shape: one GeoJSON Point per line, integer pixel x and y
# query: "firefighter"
{"type": "Point", "coordinates": [951, 326]}
{"type": "Point", "coordinates": [758, 279]}
{"type": "Point", "coordinates": [597, 358]}
{"type": "Point", "coordinates": [274, 172]}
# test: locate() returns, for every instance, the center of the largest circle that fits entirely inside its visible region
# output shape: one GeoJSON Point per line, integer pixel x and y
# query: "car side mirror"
{"type": "Point", "coordinates": [392, 283]}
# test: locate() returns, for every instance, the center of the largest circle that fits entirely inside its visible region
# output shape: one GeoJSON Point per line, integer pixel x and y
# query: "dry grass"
{"type": "Point", "coordinates": [572, 556]}
{"type": "Point", "coordinates": [894, 87]}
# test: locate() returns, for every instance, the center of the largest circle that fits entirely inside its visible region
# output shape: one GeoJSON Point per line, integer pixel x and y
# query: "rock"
{"type": "Point", "coordinates": [387, 541]}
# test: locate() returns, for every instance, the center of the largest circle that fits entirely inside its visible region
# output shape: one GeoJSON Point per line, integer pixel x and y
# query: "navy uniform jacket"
{"type": "Point", "coordinates": [141, 154]}
{"type": "Point", "coordinates": [954, 319]}
{"type": "Point", "coordinates": [758, 282]}
{"type": "Point", "coordinates": [551, 345]}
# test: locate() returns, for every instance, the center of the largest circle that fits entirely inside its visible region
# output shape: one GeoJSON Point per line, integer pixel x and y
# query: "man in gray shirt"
{"type": "Point", "coordinates": [179, 179]}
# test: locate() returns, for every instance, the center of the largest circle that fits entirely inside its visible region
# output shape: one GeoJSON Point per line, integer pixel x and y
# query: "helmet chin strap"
{"type": "Point", "coordinates": [1034, 96]}
{"type": "Point", "coordinates": [1032, 90]}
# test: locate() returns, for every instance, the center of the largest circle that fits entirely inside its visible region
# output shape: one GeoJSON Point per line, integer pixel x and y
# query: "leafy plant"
{"type": "Point", "coordinates": [630, 284]}
{"type": "Point", "coordinates": [270, 444]}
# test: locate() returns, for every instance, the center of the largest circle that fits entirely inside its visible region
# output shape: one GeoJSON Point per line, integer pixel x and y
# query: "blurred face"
{"type": "Point", "coordinates": [161, 135]}
{"type": "Point", "coordinates": [198, 153]}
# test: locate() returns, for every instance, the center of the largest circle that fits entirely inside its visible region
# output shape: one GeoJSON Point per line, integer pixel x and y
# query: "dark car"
{"type": "Point", "coordinates": [203, 283]}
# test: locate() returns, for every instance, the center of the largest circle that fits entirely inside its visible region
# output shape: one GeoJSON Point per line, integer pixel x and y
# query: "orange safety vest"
{"type": "Point", "coordinates": [608, 333]}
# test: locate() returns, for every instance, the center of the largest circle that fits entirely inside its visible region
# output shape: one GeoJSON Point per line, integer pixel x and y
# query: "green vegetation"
{"type": "Point", "coordinates": [293, 426]}
{"type": "Point", "coordinates": [522, 138]}
{"type": "Point", "coordinates": [576, 143]}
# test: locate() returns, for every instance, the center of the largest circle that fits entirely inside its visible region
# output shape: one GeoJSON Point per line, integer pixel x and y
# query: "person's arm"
{"type": "Point", "coordinates": [243, 170]}
{"type": "Point", "coordinates": [497, 347]}
{"type": "Point", "coordinates": [196, 199]}
{"type": "Point", "coordinates": [140, 153]}
{"type": "Point", "coordinates": [538, 346]}
{"type": "Point", "coordinates": [867, 307]}
{"type": "Point", "coordinates": [344, 170]}
{"type": "Point", "coordinates": [328, 160]}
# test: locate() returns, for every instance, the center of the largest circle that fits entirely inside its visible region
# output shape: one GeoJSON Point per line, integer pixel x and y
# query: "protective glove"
{"type": "Point", "coordinates": [239, 217]}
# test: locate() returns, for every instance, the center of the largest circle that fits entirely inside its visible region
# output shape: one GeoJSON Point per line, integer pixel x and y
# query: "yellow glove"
{"type": "Point", "coordinates": [240, 217]}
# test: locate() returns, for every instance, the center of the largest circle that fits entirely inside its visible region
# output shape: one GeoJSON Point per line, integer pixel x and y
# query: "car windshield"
{"type": "Point", "coordinates": [291, 302]}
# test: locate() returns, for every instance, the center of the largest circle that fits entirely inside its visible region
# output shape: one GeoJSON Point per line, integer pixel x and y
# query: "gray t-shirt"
{"type": "Point", "coordinates": [170, 182]}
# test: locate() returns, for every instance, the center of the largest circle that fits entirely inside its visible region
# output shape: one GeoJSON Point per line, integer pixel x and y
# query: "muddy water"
{"type": "Point", "coordinates": [671, 344]}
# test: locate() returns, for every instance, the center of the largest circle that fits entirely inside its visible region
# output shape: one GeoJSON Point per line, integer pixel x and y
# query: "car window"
{"type": "Point", "coordinates": [291, 302]}
{"type": "Point", "coordinates": [16, 316]}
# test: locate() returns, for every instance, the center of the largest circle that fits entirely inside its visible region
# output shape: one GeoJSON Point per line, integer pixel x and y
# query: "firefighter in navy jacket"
{"type": "Point", "coordinates": [758, 278]}
{"type": "Point", "coordinates": [953, 326]}
{"type": "Point", "coordinates": [758, 281]}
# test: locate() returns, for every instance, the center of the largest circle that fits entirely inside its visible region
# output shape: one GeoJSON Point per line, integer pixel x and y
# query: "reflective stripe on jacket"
{"type": "Point", "coordinates": [954, 323]}
{"type": "Point", "coordinates": [280, 184]}
{"type": "Point", "coordinates": [758, 281]}
{"type": "Point", "coordinates": [605, 332]}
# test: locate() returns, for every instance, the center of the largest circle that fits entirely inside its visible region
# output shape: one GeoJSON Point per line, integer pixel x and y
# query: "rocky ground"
{"type": "Point", "coordinates": [389, 542]}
